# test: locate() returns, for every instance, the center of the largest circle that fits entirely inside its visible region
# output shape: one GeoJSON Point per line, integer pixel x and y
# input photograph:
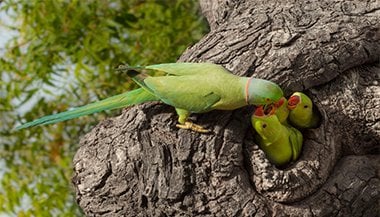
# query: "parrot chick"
{"type": "Point", "coordinates": [281, 144]}
{"type": "Point", "coordinates": [281, 110]}
{"type": "Point", "coordinates": [301, 113]}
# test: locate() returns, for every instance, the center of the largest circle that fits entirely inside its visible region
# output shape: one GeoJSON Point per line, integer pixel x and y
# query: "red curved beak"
{"type": "Point", "coordinates": [259, 111]}
{"type": "Point", "coordinates": [265, 110]}
{"type": "Point", "coordinates": [293, 102]}
{"type": "Point", "coordinates": [280, 102]}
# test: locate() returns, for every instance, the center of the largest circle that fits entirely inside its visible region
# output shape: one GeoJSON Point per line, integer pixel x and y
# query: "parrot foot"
{"type": "Point", "coordinates": [194, 127]}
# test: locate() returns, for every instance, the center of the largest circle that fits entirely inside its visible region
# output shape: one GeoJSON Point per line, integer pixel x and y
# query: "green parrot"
{"type": "Point", "coordinates": [281, 144]}
{"type": "Point", "coordinates": [301, 113]}
{"type": "Point", "coordinates": [281, 110]}
{"type": "Point", "coordinates": [189, 87]}
{"type": "Point", "coordinates": [278, 108]}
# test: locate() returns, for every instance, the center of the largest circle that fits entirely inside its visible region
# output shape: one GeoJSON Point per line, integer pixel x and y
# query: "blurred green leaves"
{"type": "Point", "coordinates": [63, 55]}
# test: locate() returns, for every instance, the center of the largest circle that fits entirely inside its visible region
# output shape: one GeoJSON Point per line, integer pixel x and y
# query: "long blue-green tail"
{"type": "Point", "coordinates": [119, 101]}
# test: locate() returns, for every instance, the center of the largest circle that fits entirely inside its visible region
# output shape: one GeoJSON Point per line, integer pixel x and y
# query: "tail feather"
{"type": "Point", "coordinates": [122, 100]}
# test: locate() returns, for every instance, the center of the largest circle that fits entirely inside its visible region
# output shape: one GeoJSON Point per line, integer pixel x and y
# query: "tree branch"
{"type": "Point", "coordinates": [140, 164]}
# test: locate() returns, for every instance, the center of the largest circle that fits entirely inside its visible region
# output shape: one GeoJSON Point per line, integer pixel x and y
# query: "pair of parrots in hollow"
{"type": "Point", "coordinates": [189, 87]}
{"type": "Point", "coordinates": [276, 126]}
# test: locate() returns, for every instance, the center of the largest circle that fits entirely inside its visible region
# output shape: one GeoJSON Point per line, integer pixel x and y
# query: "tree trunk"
{"type": "Point", "coordinates": [140, 164]}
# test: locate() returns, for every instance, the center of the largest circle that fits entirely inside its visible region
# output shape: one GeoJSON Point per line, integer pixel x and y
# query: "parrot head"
{"type": "Point", "coordinates": [282, 110]}
{"type": "Point", "coordinates": [302, 114]}
{"type": "Point", "coordinates": [300, 102]}
{"type": "Point", "coordinates": [265, 122]}
{"type": "Point", "coordinates": [262, 92]}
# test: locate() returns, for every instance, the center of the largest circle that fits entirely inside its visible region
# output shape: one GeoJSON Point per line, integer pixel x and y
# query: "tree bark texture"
{"type": "Point", "coordinates": [140, 164]}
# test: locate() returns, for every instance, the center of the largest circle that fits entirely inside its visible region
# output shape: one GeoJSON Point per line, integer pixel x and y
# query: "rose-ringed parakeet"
{"type": "Point", "coordinates": [301, 113]}
{"type": "Point", "coordinates": [281, 144]}
{"type": "Point", "coordinates": [281, 110]}
{"type": "Point", "coordinates": [189, 87]}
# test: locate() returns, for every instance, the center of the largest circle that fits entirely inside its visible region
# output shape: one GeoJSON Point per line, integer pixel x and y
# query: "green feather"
{"type": "Point", "coordinates": [122, 100]}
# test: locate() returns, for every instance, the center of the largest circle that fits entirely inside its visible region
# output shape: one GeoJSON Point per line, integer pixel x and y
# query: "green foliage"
{"type": "Point", "coordinates": [63, 55]}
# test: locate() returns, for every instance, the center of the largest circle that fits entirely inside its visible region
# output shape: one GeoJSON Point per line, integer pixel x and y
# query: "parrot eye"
{"type": "Point", "coordinates": [305, 106]}
{"type": "Point", "coordinates": [264, 125]}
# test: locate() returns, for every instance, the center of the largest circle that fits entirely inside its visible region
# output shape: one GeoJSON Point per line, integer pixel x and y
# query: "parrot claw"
{"type": "Point", "coordinates": [194, 127]}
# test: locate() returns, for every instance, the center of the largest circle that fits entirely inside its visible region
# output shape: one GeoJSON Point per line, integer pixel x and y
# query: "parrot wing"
{"type": "Point", "coordinates": [184, 92]}
{"type": "Point", "coordinates": [180, 69]}
{"type": "Point", "coordinates": [139, 77]}
{"type": "Point", "coordinates": [139, 74]}
{"type": "Point", "coordinates": [295, 139]}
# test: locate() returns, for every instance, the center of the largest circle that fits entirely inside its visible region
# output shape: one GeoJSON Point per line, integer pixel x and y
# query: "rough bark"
{"type": "Point", "coordinates": [140, 164]}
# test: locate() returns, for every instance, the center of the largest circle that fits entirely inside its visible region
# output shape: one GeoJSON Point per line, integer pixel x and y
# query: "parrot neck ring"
{"type": "Point", "coordinates": [247, 90]}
